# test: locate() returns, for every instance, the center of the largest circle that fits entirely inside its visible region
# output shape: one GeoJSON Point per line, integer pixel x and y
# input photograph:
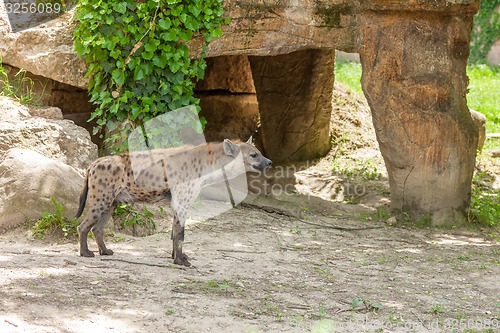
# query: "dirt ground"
{"type": "Point", "coordinates": [319, 260]}
{"type": "Point", "coordinates": [278, 268]}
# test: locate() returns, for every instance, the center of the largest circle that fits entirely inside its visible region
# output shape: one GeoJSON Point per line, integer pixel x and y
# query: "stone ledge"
{"type": "Point", "coordinates": [444, 6]}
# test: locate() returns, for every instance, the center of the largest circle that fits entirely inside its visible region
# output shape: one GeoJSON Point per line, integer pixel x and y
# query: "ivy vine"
{"type": "Point", "coordinates": [139, 63]}
{"type": "Point", "coordinates": [486, 30]}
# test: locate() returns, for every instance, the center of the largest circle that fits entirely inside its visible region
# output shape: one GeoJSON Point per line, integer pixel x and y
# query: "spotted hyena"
{"type": "Point", "coordinates": [176, 174]}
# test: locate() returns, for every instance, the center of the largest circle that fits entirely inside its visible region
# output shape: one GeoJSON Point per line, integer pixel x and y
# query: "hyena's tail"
{"type": "Point", "coordinates": [83, 197]}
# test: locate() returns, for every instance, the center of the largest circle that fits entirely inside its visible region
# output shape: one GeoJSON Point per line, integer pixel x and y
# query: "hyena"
{"type": "Point", "coordinates": [175, 174]}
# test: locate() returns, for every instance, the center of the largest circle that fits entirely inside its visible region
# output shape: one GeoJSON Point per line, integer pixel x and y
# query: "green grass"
{"type": "Point", "coordinates": [349, 73]}
{"type": "Point", "coordinates": [55, 223]}
{"type": "Point", "coordinates": [485, 202]}
{"type": "Point", "coordinates": [20, 87]}
{"type": "Point", "coordinates": [131, 217]}
{"type": "Point", "coordinates": [483, 94]}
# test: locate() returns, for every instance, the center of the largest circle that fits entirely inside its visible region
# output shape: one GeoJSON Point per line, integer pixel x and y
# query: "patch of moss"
{"type": "Point", "coordinates": [331, 13]}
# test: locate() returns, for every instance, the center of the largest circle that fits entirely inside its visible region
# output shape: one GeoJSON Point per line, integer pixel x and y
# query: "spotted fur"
{"type": "Point", "coordinates": [176, 174]}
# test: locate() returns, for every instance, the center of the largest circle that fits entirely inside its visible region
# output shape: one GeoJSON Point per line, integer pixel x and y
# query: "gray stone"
{"type": "Point", "coordinates": [50, 112]}
{"type": "Point", "coordinates": [11, 111]}
{"type": "Point", "coordinates": [294, 92]}
{"type": "Point", "coordinates": [415, 82]}
{"type": "Point", "coordinates": [480, 121]}
{"type": "Point", "coordinates": [28, 181]}
{"type": "Point", "coordinates": [59, 139]}
{"type": "Point", "coordinates": [45, 50]}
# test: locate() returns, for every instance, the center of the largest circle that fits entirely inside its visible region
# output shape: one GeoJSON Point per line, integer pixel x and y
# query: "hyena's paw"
{"type": "Point", "coordinates": [182, 260]}
{"type": "Point", "coordinates": [106, 252]}
{"type": "Point", "coordinates": [86, 253]}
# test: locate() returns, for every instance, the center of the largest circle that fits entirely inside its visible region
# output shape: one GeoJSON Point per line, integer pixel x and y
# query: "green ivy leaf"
{"type": "Point", "coordinates": [169, 36]}
{"type": "Point", "coordinates": [164, 23]}
{"type": "Point", "coordinates": [174, 67]}
{"type": "Point", "coordinates": [147, 55]}
{"type": "Point", "coordinates": [139, 74]}
{"type": "Point", "coordinates": [150, 47]}
{"type": "Point", "coordinates": [121, 7]}
{"type": "Point", "coordinates": [160, 61]}
{"type": "Point", "coordinates": [136, 110]}
{"type": "Point", "coordinates": [142, 50]}
{"type": "Point", "coordinates": [118, 76]}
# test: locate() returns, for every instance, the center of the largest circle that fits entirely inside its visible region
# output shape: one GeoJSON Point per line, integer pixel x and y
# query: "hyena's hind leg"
{"type": "Point", "coordinates": [83, 231]}
{"type": "Point", "coordinates": [95, 221]}
{"type": "Point", "coordinates": [98, 230]}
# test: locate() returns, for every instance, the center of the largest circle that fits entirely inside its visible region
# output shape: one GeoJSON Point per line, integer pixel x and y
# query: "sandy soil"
{"type": "Point", "coordinates": [320, 260]}
{"type": "Point", "coordinates": [258, 268]}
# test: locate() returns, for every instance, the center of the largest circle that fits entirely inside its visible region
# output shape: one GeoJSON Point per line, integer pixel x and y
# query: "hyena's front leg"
{"type": "Point", "coordinates": [178, 239]}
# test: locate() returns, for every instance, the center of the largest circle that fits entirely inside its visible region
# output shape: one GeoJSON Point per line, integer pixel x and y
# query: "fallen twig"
{"type": "Point", "coordinates": [420, 320]}
{"type": "Point", "coordinates": [240, 251]}
{"type": "Point", "coordinates": [10, 323]}
{"type": "Point", "coordinates": [144, 263]}
{"type": "Point", "coordinates": [288, 214]}
{"type": "Point", "coordinates": [236, 258]}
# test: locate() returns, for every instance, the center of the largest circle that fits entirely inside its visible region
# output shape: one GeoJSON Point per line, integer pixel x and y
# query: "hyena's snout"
{"type": "Point", "coordinates": [264, 164]}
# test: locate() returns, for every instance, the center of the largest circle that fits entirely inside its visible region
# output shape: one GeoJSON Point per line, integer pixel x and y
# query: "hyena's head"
{"type": "Point", "coordinates": [252, 157]}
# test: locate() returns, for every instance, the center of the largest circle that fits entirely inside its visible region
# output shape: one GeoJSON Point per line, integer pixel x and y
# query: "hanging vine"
{"type": "Point", "coordinates": [138, 59]}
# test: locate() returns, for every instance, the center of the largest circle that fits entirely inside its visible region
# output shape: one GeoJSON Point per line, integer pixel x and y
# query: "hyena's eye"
{"type": "Point", "coordinates": [253, 155]}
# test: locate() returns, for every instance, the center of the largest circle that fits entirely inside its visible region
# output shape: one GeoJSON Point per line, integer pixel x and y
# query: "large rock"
{"type": "Point", "coordinates": [45, 50]}
{"type": "Point", "coordinates": [480, 121]}
{"type": "Point", "coordinates": [229, 116]}
{"type": "Point", "coordinates": [28, 181]}
{"type": "Point", "coordinates": [257, 28]}
{"type": "Point", "coordinates": [295, 102]}
{"type": "Point", "coordinates": [41, 156]}
{"type": "Point", "coordinates": [56, 138]}
{"type": "Point", "coordinates": [229, 73]}
{"type": "Point", "coordinates": [415, 81]}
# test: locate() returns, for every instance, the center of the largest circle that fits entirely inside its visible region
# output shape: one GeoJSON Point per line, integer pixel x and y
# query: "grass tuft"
{"type": "Point", "coordinates": [55, 223]}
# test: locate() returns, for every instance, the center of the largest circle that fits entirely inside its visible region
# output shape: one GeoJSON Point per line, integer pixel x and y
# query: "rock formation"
{"type": "Point", "coordinates": [41, 156]}
{"type": "Point", "coordinates": [28, 181]}
{"type": "Point", "coordinates": [413, 55]}
{"type": "Point", "coordinates": [44, 130]}
{"type": "Point", "coordinates": [415, 82]}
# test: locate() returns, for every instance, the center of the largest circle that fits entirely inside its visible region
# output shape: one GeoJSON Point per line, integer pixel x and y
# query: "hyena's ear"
{"type": "Point", "coordinates": [250, 140]}
{"type": "Point", "coordinates": [230, 148]}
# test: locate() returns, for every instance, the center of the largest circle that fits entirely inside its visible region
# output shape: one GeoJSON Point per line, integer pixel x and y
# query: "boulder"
{"type": "Point", "coordinates": [414, 78]}
{"type": "Point", "coordinates": [480, 121]}
{"type": "Point", "coordinates": [28, 181]}
{"type": "Point", "coordinates": [229, 73]}
{"type": "Point", "coordinates": [11, 111]}
{"type": "Point", "coordinates": [55, 138]}
{"type": "Point", "coordinates": [45, 50]}
{"type": "Point", "coordinates": [229, 116]}
{"type": "Point", "coordinates": [256, 28]}
{"type": "Point", "coordinates": [294, 92]}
